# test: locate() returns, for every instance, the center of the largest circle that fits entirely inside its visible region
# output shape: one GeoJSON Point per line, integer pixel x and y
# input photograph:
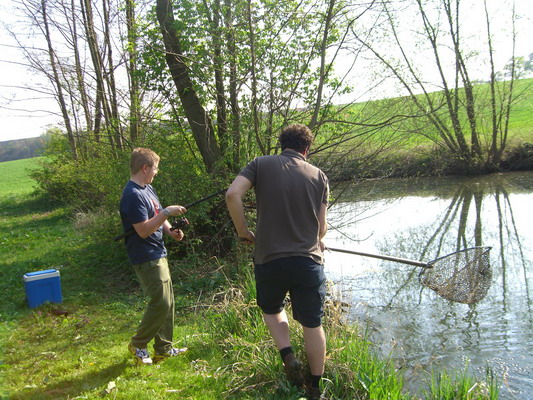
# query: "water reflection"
{"type": "Point", "coordinates": [423, 219]}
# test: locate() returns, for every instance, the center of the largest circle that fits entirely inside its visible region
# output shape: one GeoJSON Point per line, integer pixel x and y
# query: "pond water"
{"type": "Point", "coordinates": [423, 219]}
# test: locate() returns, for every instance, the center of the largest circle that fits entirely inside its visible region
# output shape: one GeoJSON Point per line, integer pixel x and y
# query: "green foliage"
{"type": "Point", "coordinates": [442, 386]}
{"type": "Point", "coordinates": [278, 41]}
{"type": "Point", "coordinates": [92, 187]}
{"type": "Point", "coordinates": [182, 179]}
{"type": "Point", "coordinates": [83, 185]}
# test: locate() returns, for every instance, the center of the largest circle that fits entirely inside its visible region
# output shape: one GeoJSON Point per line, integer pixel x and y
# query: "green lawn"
{"type": "Point", "coordinates": [77, 349]}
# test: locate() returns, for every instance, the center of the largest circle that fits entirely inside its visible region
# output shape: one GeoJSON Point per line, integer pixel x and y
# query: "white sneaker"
{"type": "Point", "coordinates": [140, 356]}
{"type": "Point", "coordinates": [173, 352]}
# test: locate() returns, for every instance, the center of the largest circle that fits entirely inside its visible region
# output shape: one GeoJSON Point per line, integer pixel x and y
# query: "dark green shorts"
{"type": "Point", "coordinates": [302, 278]}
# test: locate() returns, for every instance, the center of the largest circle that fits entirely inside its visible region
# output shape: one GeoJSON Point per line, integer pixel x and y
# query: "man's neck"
{"type": "Point", "coordinates": [304, 153]}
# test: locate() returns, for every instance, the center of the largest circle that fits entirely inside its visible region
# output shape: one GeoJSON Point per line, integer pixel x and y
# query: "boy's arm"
{"type": "Point", "coordinates": [149, 226]}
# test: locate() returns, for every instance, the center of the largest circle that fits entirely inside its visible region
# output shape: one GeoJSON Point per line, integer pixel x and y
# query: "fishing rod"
{"type": "Point", "coordinates": [182, 222]}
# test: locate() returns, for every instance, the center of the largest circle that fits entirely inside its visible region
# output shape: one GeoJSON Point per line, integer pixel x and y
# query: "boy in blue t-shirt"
{"type": "Point", "coordinates": [140, 210]}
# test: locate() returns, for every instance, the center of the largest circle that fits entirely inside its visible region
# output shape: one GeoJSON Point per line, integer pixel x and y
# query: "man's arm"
{"type": "Point", "coordinates": [322, 219]}
{"type": "Point", "coordinates": [323, 225]}
{"type": "Point", "coordinates": [234, 196]}
{"type": "Point", "coordinates": [323, 228]}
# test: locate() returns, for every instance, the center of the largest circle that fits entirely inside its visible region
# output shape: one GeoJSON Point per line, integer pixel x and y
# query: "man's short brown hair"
{"type": "Point", "coordinates": [297, 137]}
{"type": "Point", "coordinates": [141, 156]}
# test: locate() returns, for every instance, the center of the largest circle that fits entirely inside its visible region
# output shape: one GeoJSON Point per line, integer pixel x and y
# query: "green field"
{"type": "Point", "coordinates": [15, 177]}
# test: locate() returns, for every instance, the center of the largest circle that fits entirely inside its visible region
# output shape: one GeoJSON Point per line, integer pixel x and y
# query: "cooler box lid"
{"type": "Point", "coordinates": [34, 276]}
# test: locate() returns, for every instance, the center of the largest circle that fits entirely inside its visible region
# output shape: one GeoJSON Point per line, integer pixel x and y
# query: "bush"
{"type": "Point", "coordinates": [94, 184]}
{"type": "Point", "coordinates": [520, 158]}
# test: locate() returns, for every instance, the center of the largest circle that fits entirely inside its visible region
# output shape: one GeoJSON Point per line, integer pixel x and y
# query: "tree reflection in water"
{"type": "Point", "coordinates": [423, 219]}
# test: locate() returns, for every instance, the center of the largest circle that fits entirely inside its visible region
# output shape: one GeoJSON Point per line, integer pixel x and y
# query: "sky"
{"type": "Point", "coordinates": [25, 114]}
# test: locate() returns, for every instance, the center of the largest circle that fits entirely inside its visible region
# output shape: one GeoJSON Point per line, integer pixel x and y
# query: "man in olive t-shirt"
{"type": "Point", "coordinates": [291, 197]}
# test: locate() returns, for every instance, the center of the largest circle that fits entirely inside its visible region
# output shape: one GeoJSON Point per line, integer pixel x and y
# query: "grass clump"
{"type": "Point", "coordinates": [442, 386]}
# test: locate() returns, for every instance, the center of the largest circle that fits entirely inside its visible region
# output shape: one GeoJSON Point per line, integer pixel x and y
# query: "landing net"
{"type": "Point", "coordinates": [464, 276]}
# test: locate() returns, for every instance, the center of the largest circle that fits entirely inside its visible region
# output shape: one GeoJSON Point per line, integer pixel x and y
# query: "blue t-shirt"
{"type": "Point", "coordinates": [139, 204]}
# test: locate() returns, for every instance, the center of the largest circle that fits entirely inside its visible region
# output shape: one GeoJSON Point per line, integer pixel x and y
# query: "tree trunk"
{"type": "Point", "coordinates": [323, 72]}
{"type": "Point", "coordinates": [235, 118]}
{"type": "Point", "coordinates": [97, 60]}
{"type": "Point", "coordinates": [255, 111]}
{"type": "Point", "coordinates": [463, 72]}
{"type": "Point", "coordinates": [132, 70]}
{"type": "Point", "coordinates": [84, 98]}
{"type": "Point", "coordinates": [199, 121]}
{"type": "Point", "coordinates": [500, 123]}
{"type": "Point", "coordinates": [109, 78]}
{"type": "Point", "coordinates": [218, 66]}
{"type": "Point", "coordinates": [59, 89]}
{"type": "Point", "coordinates": [463, 150]}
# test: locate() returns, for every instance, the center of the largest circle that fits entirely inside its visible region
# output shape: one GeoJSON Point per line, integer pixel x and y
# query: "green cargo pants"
{"type": "Point", "coordinates": [158, 320]}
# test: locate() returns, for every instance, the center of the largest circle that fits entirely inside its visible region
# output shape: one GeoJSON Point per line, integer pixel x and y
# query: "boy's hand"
{"type": "Point", "coordinates": [176, 211]}
{"type": "Point", "coordinates": [177, 234]}
{"type": "Point", "coordinates": [180, 223]}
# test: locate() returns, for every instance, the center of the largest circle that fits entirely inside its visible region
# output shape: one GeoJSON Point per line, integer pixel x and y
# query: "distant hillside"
{"type": "Point", "coordinates": [21, 148]}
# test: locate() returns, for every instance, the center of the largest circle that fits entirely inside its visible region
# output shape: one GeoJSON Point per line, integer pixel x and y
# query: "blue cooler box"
{"type": "Point", "coordinates": [42, 286]}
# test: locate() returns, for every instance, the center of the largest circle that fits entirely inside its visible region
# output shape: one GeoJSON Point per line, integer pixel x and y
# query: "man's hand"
{"type": "Point", "coordinates": [247, 238]}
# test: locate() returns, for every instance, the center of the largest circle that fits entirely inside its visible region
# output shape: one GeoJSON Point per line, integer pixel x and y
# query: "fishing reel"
{"type": "Point", "coordinates": [180, 223]}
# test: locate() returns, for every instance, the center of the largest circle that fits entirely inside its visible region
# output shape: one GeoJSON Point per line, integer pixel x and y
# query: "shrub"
{"type": "Point", "coordinates": [520, 158]}
{"type": "Point", "coordinates": [94, 184]}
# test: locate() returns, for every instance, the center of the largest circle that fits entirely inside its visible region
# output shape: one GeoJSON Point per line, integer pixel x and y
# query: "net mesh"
{"type": "Point", "coordinates": [464, 276]}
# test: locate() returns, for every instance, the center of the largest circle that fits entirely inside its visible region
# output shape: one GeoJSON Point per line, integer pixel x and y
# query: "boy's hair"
{"type": "Point", "coordinates": [141, 156]}
{"type": "Point", "coordinates": [297, 137]}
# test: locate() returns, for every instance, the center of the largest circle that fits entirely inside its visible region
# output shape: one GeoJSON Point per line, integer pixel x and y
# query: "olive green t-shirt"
{"type": "Point", "coordinates": [289, 194]}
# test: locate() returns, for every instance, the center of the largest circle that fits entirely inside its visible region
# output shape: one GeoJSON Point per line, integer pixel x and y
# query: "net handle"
{"type": "Point", "coordinates": [382, 257]}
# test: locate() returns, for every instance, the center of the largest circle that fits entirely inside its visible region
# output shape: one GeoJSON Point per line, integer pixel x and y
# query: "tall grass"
{"type": "Point", "coordinates": [442, 386]}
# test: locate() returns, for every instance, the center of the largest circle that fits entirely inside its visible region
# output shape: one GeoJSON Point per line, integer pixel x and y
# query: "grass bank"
{"type": "Point", "coordinates": [77, 349]}
{"type": "Point", "coordinates": [412, 147]}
